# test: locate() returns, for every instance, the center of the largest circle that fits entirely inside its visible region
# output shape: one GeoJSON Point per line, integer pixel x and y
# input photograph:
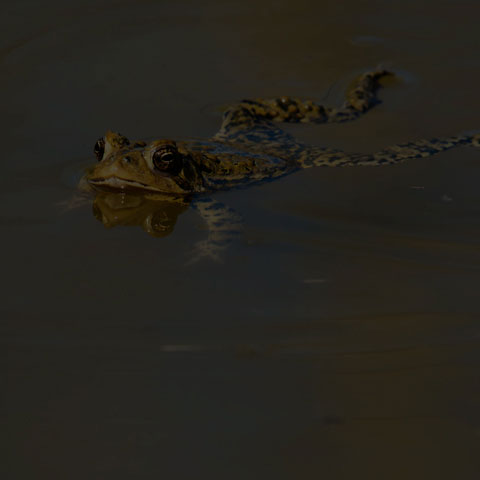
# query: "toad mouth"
{"type": "Point", "coordinates": [120, 183]}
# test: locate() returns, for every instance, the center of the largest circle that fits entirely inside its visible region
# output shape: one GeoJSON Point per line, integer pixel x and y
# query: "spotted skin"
{"type": "Point", "coordinates": [249, 147]}
{"type": "Point", "coordinates": [250, 122]}
{"type": "Point", "coordinates": [359, 98]}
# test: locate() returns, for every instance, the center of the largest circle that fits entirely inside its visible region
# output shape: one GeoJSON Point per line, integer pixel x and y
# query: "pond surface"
{"type": "Point", "coordinates": [338, 337]}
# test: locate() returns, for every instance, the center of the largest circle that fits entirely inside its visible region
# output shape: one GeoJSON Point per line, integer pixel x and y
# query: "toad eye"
{"type": "Point", "coordinates": [99, 149]}
{"type": "Point", "coordinates": [165, 160]}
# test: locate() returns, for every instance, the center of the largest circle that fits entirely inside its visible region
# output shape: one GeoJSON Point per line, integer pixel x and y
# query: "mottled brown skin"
{"type": "Point", "coordinates": [249, 147]}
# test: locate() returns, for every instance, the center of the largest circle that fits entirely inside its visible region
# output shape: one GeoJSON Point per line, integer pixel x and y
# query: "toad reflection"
{"type": "Point", "coordinates": [155, 215]}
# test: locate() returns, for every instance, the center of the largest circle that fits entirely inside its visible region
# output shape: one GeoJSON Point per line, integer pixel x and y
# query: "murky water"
{"type": "Point", "coordinates": [339, 336]}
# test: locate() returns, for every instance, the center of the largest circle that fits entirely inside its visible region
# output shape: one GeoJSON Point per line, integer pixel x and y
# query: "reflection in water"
{"type": "Point", "coordinates": [156, 214]}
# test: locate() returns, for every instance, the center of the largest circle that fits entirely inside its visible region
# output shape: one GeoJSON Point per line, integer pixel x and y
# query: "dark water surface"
{"type": "Point", "coordinates": [338, 339]}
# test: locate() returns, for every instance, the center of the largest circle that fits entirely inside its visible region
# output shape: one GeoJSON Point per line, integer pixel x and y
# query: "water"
{"type": "Point", "coordinates": [338, 338]}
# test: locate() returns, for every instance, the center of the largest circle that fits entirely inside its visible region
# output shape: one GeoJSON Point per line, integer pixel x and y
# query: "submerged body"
{"type": "Point", "coordinates": [249, 147]}
{"type": "Point", "coordinates": [151, 184]}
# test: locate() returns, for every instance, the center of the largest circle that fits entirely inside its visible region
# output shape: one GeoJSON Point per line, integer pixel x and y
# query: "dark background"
{"type": "Point", "coordinates": [337, 339]}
